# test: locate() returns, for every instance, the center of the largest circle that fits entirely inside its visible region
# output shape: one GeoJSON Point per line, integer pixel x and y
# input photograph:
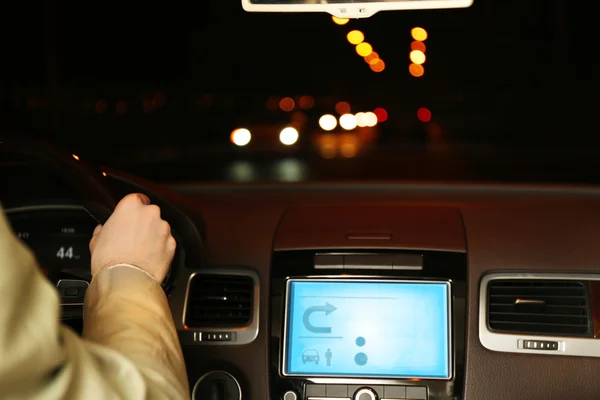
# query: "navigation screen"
{"type": "Point", "coordinates": [383, 329]}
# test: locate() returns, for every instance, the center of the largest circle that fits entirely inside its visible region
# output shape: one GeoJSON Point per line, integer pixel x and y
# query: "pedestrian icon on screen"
{"type": "Point", "coordinates": [328, 357]}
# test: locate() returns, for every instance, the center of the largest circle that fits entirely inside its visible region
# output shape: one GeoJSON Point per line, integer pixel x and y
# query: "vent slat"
{"type": "Point", "coordinates": [534, 315]}
{"type": "Point", "coordinates": [220, 301]}
{"type": "Point", "coordinates": [554, 307]}
{"type": "Point", "coordinates": [534, 296]}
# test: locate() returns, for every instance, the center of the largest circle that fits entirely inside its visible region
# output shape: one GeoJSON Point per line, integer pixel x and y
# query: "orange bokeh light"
{"type": "Point", "coordinates": [342, 108]}
{"type": "Point", "coordinates": [373, 57]}
{"type": "Point", "coordinates": [418, 45]}
{"type": "Point", "coordinates": [416, 70]}
{"type": "Point", "coordinates": [287, 104]}
{"type": "Point", "coordinates": [348, 149]}
{"type": "Point", "coordinates": [378, 66]}
{"type": "Point", "coordinates": [306, 102]}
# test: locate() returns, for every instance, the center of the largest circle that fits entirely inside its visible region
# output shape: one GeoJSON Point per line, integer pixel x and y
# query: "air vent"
{"type": "Point", "coordinates": [539, 307]}
{"type": "Point", "coordinates": [219, 301]}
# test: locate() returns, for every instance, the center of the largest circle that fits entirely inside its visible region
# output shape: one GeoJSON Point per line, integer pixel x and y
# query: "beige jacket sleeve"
{"type": "Point", "coordinates": [130, 348]}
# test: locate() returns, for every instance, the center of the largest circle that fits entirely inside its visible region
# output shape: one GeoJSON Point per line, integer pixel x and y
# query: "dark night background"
{"type": "Point", "coordinates": [157, 88]}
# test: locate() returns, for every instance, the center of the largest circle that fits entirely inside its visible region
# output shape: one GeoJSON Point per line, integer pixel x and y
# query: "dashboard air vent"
{"type": "Point", "coordinates": [219, 301]}
{"type": "Point", "coordinates": [539, 307]}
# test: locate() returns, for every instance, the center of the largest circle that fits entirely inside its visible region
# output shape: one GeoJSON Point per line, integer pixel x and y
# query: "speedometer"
{"type": "Point", "coordinates": [59, 236]}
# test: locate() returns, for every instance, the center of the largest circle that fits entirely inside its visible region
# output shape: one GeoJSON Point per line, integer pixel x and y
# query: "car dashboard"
{"type": "Point", "coordinates": [360, 291]}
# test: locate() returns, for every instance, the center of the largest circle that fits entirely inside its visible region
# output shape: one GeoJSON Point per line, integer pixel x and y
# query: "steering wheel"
{"type": "Point", "coordinates": [90, 186]}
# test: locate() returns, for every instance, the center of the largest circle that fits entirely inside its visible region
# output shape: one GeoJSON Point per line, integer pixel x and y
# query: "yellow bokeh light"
{"type": "Point", "coordinates": [416, 70]}
{"type": "Point", "coordinates": [419, 34]}
{"type": "Point", "coordinates": [364, 49]}
{"type": "Point", "coordinates": [355, 37]}
{"type": "Point", "coordinates": [417, 57]}
{"type": "Point", "coordinates": [377, 66]}
{"type": "Point", "coordinates": [75, 156]}
{"type": "Point", "coordinates": [417, 45]}
{"type": "Point", "coordinates": [340, 21]}
{"type": "Point", "coordinates": [372, 57]}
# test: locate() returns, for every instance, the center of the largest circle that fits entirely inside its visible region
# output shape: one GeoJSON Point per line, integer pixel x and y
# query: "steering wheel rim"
{"type": "Point", "coordinates": [90, 186]}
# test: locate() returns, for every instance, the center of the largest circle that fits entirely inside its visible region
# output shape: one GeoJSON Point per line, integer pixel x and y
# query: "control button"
{"type": "Point", "coordinates": [416, 392]}
{"type": "Point", "coordinates": [290, 395]}
{"type": "Point", "coordinates": [337, 390]}
{"type": "Point", "coordinates": [365, 394]}
{"type": "Point", "coordinates": [328, 398]}
{"type": "Point", "coordinates": [72, 291]}
{"type": "Point", "coordinates": [394, 392]}
{"type": "Point", "coordinates": [329, 261]}
{"type": "Point", "coordinates": [368, 261]}
{"type": "Point", "coordinates": [316, 390]}
{"type": "Point", "coordinates": [377, 389]}
{"type": "Point", "coordinates": [540, 345]}
{"type": "Point", "coordinates": [217, 336]}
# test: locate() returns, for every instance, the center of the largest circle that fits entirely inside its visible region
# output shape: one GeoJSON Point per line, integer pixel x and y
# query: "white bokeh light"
{"type": "Point", "coordinates": [241, 137]}
{"type": "Point", "coordinates": [328, 122]}
{"type": "Point", "coordinates": [371, 119]}
{"type": "Point", "coordinates": [361, 119]}
{"type": "Point", "coordinates": [289, 136]}
{"type": "Point", "coordinates": [348, 122]}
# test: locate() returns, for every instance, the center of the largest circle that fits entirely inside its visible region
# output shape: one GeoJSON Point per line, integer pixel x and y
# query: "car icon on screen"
{"type": "Point", "coordinates": [310, 355]}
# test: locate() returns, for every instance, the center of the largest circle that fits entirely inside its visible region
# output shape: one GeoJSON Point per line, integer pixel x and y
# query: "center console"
{"type": "Point", "coordinates": [367, 325]}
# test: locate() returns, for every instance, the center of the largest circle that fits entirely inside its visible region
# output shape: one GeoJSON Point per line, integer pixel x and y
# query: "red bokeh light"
{"type": "Point", "coordinates": [101, 106]}
{"type": "Point", "coordinates": [381, 114]}
{"type": "Point", "coordinates": [424, 114]}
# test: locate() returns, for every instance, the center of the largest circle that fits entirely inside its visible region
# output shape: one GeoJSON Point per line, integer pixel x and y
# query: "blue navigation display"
{"type": "Point", "coordinates": [370, 329]}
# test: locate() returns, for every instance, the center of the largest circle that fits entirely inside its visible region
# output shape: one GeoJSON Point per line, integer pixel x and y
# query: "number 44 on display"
{"type": "Point", "coordinates": [66, 252]}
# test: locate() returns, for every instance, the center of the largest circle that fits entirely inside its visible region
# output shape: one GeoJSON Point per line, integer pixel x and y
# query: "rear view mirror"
{"type": "Point", "coordinates": [350, 8]}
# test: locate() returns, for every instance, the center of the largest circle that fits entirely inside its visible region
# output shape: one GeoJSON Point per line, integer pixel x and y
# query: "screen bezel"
{"type": "Point", "coordinates": [363, 378]}
{"type": "Point", "coordinates": [358, 9]}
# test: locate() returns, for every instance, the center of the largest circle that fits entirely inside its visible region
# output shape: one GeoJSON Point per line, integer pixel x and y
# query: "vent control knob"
{"type": "Point", "coordinates": [217, 385]}
{"type": "Point", "coordinates": [290, 395]}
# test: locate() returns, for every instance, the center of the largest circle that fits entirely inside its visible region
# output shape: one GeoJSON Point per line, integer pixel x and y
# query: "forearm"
{"type": "Point", "coordinates": [136, 355]}
{"type": "Point", "coordinates": [127, 311]}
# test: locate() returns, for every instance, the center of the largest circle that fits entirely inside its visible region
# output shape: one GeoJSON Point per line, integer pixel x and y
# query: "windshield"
{"type": "Point", "coordinates": [203, 91]}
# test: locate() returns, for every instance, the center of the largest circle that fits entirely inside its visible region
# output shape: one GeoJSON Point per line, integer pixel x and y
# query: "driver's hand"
{"type": "Point", "coordinates": [134, 234]}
